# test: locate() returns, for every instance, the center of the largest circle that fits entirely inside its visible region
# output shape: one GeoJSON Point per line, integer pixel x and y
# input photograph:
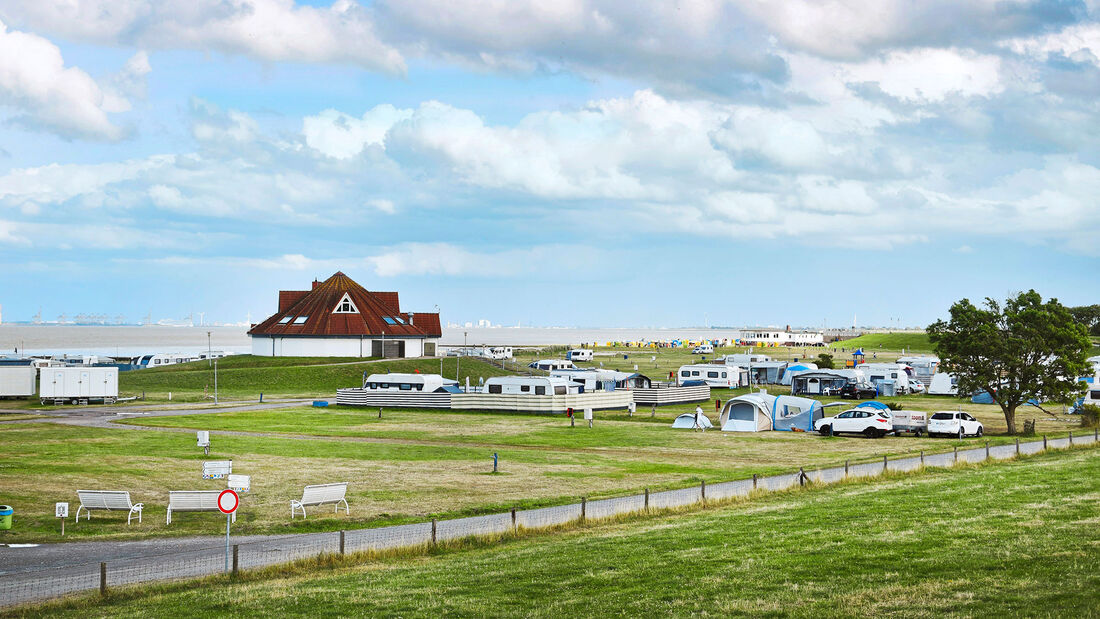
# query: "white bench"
{"type": "Point", "coordinates": [240, 483]}
{"type": "Point", "coordinates": [109, 500]}
{"type": "Point", "coordinates": [321, 494]}
{"type": "Point", "coordinates": [216, 469]}
{"type": "Point", "coordinates": [194, 501]}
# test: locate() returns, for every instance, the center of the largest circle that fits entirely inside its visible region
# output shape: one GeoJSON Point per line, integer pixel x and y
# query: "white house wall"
{"type": "Point", "coordinates": [276, 346]}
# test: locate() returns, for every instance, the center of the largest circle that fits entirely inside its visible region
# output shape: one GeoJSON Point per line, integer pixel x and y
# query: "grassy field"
{"type": "Point", "coordinates": [408, 466]}
{"type": "Point", "coordinates": [1014, 538]}
{"type": "Point", "coordinates": [246, 376]}
{"type": "Point", "coordinates": [888, 343]}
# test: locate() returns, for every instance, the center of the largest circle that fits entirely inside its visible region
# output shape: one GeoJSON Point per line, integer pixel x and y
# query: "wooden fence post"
{"type": "Point", "coordinates": [1071, 439]}
{"type": "Point", "coordinates": [647, 500]}
{"type": "Point", "coordinates": [703, 490]}
{"type": "Point", "coordinates": [103, 579]}
{"type": "Point", "coordinates": [754, 481]}
{"type": "Point", "coordinates": [956, 454]}
{"type": "Point", "coordinates": [237, 547]}
{"type": "Point", "coordinates": [433, 531]}
{"type": "Point", "coordinates": [515, 528]}
{"type": "Point", "coordinates": [922, 457]}
{"type": "Point", "coordinates": [801, 477]}
{"type": "Point", "coordinates": [341, 542]}
{"type": "Point", "coordinates": [584, 507]}
{"type": "Point", "coordinates": [884, 467]}
{"type": "Point", "coordinates": [987, 450]}
{"type": "Point", "coordinates": [846, 469]}
{"type": "Point", "coordinates": [1017, 446]}
{"type": "Point", "coordinates": [1044, 442]}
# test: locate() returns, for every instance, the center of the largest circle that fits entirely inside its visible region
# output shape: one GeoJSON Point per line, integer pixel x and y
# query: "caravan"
{"type": "Point", "coordinates": [943, 384]}
{"type": "Point", "coordinates": [713, 375]}
{"type": "Point", "coordinates": [881, 375]}
{"type": "Point", "coordinates": [579, 354]}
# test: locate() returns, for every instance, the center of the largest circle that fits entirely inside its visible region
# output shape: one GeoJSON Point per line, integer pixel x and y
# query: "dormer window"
{"type": "Point", "coordinates": [345, 306]}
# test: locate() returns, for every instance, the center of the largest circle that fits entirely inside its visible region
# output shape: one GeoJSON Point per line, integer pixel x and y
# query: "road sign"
{"type": "Point", "coordinates": [61, 510]}
{"type": "Point", "coordinates": [228, 501]}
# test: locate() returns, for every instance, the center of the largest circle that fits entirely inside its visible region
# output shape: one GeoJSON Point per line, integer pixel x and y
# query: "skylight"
{"type": "Point", "coordinates": [301, 320]}
{"type": "Point", "coordinates": [389, 321]}
{"type": "Point", "coordinates": [284, 320]}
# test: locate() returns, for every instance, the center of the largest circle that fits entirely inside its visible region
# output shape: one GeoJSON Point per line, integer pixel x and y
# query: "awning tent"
{"type": "Point", "coordinates": [686, 421]}
{"type": "Point", "coordinates": [794, 413]}
{"type": "Point", "coordinates": [795, 370]}
{"type": "Point", "coordinates": [747, 413]}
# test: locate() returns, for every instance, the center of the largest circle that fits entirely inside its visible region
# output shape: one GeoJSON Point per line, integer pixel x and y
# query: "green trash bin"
{"type": "Point", "coordinates": [5, 516]}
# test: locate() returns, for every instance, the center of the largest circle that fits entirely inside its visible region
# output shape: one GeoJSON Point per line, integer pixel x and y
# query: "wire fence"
{"type": "Point", "coordinates": [19, 587]}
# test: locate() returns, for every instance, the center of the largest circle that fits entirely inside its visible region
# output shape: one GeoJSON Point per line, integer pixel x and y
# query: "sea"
{"type": "Point", "coordinates": [130, 340]}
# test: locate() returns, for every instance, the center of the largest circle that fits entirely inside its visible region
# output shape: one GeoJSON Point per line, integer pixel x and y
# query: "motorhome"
{"type": "Point", "coordinates": [713, 375]}
{"type": "Point", "coordinates": [703, 349]}
{"type": "Point", "coordinates": [549, 365]}
{"type": "Point", "coordinates": [579, 354]}
{"type": "Point", "coordinates": [529, 385]}
{"type": "Point", "coordinates": [881, 374]}
{"type": "Point", "coordinates": [417, 383]}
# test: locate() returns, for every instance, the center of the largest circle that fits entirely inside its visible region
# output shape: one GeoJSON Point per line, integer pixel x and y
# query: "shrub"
{"type": "Point", "coordinates": [1090, 415]}
{"type": "Point", "coordinates": [825, 361]}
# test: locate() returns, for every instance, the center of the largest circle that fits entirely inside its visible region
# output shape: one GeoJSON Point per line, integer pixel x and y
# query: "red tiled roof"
{"type": "Point", "coordinates": [319, 305]}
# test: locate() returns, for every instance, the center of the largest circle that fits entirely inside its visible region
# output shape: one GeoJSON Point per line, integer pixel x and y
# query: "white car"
{"type": "Point", "coordinates": [954, 423]}
{"type": "Point", "coordinates": [703, 349]}
{"type": "Point", "coordinates": [868, 422]}
{"type": "Point", "coordinates": [915, 386]}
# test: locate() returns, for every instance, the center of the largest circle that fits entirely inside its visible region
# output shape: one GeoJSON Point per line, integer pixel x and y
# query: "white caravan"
{"type": "Point", "coordinates": [713, 375]}
{"type": "Point", "coordinates": [943, 384]}
{"type": "Point", "coordinates": [529, 385]}
{"type": "Point", "coordinates": [17, 381]}
{"type": "Point", "coordinates": [549, 365]}
{"type": "Point", "coordinates": [882, 372]}
{"type": "Point", "coordinates": [579, 354]}
{"type": "Point", "coordinates": [416, 383]}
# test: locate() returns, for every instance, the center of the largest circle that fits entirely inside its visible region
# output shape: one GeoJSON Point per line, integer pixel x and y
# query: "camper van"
{"type": "Point", "coordinates": [549, 365]}
{"type": "Point", "coordinates": [413, 383]}
{"type": "Point", "coordinates": [880, 373]}
{"type": "Point", "coordinates": [579, 354]}
{"type": "Point", "coordinates": [529, 385]}
{"type": "Point", "coordinates": [703, 349]}
{"type": "Point", "coordinates": [713, 375]}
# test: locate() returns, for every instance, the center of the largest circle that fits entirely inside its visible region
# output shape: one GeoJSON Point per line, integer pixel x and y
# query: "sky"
{"type": "Point", "coordinates": [577, 162]}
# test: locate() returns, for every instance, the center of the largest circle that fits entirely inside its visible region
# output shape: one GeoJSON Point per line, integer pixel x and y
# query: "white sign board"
{"type": "Point", "coordinates": [204, 438]}
{"type": "Point", "coordinates": [61, 510]}
{"type": "Point", "coordinates": [588, 413]}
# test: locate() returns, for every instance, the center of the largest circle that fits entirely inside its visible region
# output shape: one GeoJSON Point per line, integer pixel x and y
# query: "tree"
{"type": "Point", "coordinates": [825, 361]}
{"type": "Point", "coordinates": [1023, 350]}
{"type": "Point", "coordinates": [1088, 315]}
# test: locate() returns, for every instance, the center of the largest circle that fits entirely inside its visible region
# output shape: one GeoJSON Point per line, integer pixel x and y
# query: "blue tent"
{"type": "Point", "coordinates": [873, 405]}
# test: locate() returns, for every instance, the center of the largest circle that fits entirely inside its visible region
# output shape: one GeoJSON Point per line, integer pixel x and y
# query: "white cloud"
{"type": "Point", "coordinates": [268, 30]}
{"type": "Point", "coordinates": [56, 183]}
{"type": "Point", "coordinates": [65, 100]}
{"type": "Point", "coordinates": [930, 74]}
{"type": "Point", "coordinates": [1080, 42]}
{"type": "Point", "coordinates": [341, 136]}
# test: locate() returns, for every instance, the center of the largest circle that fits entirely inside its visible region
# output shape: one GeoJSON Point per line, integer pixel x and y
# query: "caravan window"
{"type": "Point", "coordinates": [712, 374]}
{"type": "Point", "coordinates": [540, 390]}
{"type": "Point", "coordinates": [685, 373]}
{"type": "Point", "coordinates": [559, 390]}
{"type": "Point", "coordinates": [494, 389]}
{"type": "Point", "coordinates": [406, 387]}
{"type": "Point", "coordinates": [372, 385]}
{"type": "Point", "coordinates": [420, 387]}
{"type": "Point", "coordinates": [525, 388]}
{"type": "Point", "coordinates": [384, 385]}
{"type": "Point", "coordinates": [723, 374]}
{"type": "Point", "coordinates": [695, 372]}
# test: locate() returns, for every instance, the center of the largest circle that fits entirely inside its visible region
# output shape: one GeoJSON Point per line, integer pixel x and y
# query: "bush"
{"type": "Point", "coordinates": [895, 406]}
{"type": "Point", "coordinates": [1090, 415]}
{"type": "Point", "coordinates": [1029, 427]}
{"type": "Point", "coordinates": [825, 361]}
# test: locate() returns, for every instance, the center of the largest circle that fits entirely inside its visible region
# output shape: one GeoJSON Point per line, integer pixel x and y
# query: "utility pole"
{"type": "Point", "coordinates": [215, 383]}
{"type": "Point", "coordinates": [209, 358]}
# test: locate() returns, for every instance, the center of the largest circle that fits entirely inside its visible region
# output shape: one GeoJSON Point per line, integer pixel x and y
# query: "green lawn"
{"type": "Point", "coordinates": [246, 376]}
{"type": "Point", "coordinates": [1014, 538]}
{"type": "Point", "coordinates": [894, 343]}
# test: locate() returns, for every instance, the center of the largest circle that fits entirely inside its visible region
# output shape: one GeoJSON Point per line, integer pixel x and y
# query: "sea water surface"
{"type": "Point", "coordinates": [127, 340]}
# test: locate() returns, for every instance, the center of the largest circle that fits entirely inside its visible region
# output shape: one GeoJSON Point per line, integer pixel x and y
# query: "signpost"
{"type": "Point", "coordinates": [228, 501]}
{"type": "Point", "coordinates": [61, 510]}
{"type": "Point", "coordinates": [204, 441]}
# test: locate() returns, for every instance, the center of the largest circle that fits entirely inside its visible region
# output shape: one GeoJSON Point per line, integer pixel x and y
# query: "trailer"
{"type": "Point", "coordinates": [79, 385]}
{"type": "Point", "coordinates": [579, 354]}
{"type": "Point", "coordinates": [17, 381]}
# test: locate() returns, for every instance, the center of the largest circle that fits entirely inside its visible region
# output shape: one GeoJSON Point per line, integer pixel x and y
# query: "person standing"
{"type": "Point", "coordinates": [717, 406]}
{"type": "Point", "coordinates": [699, 418]}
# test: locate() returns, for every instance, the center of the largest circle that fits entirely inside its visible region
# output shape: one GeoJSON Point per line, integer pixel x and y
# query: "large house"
{"type": "Point", "coordinates": [340, 318]}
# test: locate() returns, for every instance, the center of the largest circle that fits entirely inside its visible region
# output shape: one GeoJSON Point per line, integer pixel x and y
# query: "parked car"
{"type": "Point", "coordinates": [858, 391]}
{"type": "Point", "coordinates": [954, 423]}
{"type": "Point", "coordinates": [915, 386]}
{"type": "Point", "coordinates": [868, 422]}
{"type": "Point", "coordinates": [703, 349]}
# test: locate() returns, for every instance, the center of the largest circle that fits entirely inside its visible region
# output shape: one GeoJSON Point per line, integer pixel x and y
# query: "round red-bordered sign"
{"type": "Point", "coordinates": [228, 501]}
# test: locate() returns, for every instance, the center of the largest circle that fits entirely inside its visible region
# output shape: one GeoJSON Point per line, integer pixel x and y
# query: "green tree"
{"type": "Point", "coordinates": [1088, 315]}
{"type": "Point", "coordinates": [825, 361]}
{"type": "Point", "coordinates": [1024, 349]}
